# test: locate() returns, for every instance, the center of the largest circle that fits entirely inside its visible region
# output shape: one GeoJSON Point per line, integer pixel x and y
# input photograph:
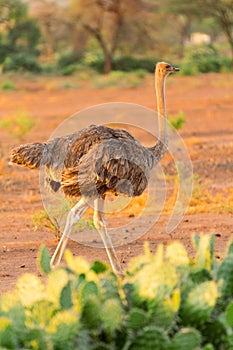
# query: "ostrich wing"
{"type": "Point", "coordinates": [120, 166]}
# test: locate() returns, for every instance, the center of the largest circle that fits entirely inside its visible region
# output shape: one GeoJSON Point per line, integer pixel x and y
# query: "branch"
{"type": "Point", "coordinates": [226, 25]}
{"type": "Point", "coordinates": [119, 23]}
{"type": "Point", "coordinates": [97, 34]}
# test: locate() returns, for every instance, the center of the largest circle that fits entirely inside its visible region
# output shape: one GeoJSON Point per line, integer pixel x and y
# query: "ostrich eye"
{"type": "Point", "coordinates": [168, 66]}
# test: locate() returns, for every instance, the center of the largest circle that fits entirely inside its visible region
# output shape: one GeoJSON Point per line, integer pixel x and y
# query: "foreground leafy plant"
{"type": "Point", "coordinates": [166, 301]}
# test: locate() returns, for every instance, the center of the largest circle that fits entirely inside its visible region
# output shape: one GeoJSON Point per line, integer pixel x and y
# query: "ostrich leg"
{"type": "Point", "coordinates": [73, 217]}
{"type": "Point", "coordinates": [101, 226]}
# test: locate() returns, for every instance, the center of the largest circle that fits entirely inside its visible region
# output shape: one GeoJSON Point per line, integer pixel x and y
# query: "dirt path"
{"type": "Point", "coordinates": [207, 103]}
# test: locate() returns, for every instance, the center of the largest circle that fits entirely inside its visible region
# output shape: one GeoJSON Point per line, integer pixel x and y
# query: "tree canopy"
{"type": "Point", "coordinates": [18, 31]}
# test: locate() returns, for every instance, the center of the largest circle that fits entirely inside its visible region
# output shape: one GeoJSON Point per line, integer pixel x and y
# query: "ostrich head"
{"type": "Point", "coordinates": [164, 69]}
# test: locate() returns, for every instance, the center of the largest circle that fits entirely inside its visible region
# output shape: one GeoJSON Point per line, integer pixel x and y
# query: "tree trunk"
{"type": "Point", "coordinates": [107, 63]}
{"type": "Point", "coordinates": [183, 36]}
{"type": "Point", "coordinates": [108, 46]}
{"type": "Point", "coordinates": [107, 54]}
{"type": "Point", "coordinates": [225, 22]}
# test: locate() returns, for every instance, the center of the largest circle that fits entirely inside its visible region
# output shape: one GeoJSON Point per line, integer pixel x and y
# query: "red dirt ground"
{"type": "Point", "coordinates": [207, 102]}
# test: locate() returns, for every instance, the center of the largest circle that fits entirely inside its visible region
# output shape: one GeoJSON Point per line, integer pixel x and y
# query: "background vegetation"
{"type": "Point", "coordinates": [63, 36]}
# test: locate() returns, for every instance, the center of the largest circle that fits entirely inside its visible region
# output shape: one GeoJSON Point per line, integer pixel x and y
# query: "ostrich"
{"type": "Point", "coordinates": [97, 160]}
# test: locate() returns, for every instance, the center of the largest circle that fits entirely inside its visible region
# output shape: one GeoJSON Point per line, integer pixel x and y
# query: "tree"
{"type": "Point", "coordinates": [19, 34]}
{"type": "Point", "coordinates": [222, 11]}
{"type": "Point", "coordinates": [107, 21]}
{"type": "Point", "coordinates": [54, 26]}
{"type": "Point", "coordinates": [183, 13]}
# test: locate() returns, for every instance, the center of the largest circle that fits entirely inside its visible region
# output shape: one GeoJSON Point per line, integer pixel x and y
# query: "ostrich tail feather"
{"type": "Point", "coordinates": [29, 155]}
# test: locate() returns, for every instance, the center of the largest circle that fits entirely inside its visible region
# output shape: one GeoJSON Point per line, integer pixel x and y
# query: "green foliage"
{"type": "Point", "coordinates": [18, 124]}
{"type": "Point", "coordinates": [21, 61]}
{"type": "Point", "coordinates": [68, 70]}
{"type": "Point", "coordinates": [130, 63]}
{"type": "Point", "coordinates": [44, 260]}
{"type": "Point", "coordinates": [68, 61]}
{"type": "Point", "coordinates": [204, 59]}
{"type": "Point", "coordinates": [126, 64]}
{"type": "Point", "coordinates": [150, 338]}
{"type": "Point", "coordinates": [19, 37]}
{"type": "Point", "coordinates": [177, 121]}
{"type": "Point", "coordinates": [68, 58]}
{"type": "Point", "coordinates": [165, 301]}
{"type": "Point", "coordinates": [7, 85]}
{"type": "Point", "coordinates": [186, 338]}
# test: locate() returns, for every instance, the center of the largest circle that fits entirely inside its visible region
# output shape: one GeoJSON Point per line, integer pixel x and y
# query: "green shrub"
{"type": "Point", "coordinates": [204, 59]}
{"type": "Point", "coordinates": [69, 58]}
{"type": "Point", "coordinates": [125, 64]}
{"type": "Point", "coordinates": [165, 301]}
{"type": "Point", "coordinates": [68, 70]}
{"type": "Point", "coordinates": [68, 62]}
{"type": "Point", "coordinates": [177, 121]}
{"type": "Point", "coordinates": [129, 63]}
{"type": "Point", "coordinates": [21, 61]}
{"type": "Point", "coordinates": [7, 85]}
{"type": "Point", "coordinates": [48, 68]}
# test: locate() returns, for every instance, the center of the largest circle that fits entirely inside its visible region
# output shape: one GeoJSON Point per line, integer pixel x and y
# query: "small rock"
{"type": "Point", "coordinates": [218, 235]}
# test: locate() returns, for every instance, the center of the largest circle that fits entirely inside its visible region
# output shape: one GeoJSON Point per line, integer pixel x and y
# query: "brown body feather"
{"type": "Point", "coordinates": [106, 160]}
{"type": "Point", "coordinates": [91, 162]}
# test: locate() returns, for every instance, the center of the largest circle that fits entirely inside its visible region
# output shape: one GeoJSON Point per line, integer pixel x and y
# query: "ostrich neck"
{"type": "Point", "coordinates": [161, 146]}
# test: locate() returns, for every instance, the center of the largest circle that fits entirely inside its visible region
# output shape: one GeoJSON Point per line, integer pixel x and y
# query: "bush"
{"type": "Point", "coordinates": [125, 64]}
{"type": "Point", "coordinates": [21, 61]}
{"type": "Point", "coordinates": [68, 70]}
{"type": "Point", "coordinates": [69, 58]}
{"type": "Point", "coordinates": [7, 85]}
{"type": "Point", "coordinates": [129, 63]}
{"type": "Point", "coordinates": [48, 68]}
{"type": "Point", "coordinates": [204, 59]}
{"type": "Point", "coordinates": [68, 62]}
{"type": "Point", "coordinates": [177, 121]}
{"type": "Point", "coordinates": [166, 301]}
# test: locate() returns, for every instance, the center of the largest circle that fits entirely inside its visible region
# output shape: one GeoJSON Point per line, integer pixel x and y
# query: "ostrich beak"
{"type": "Point", "coordinates": [175, 69]}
